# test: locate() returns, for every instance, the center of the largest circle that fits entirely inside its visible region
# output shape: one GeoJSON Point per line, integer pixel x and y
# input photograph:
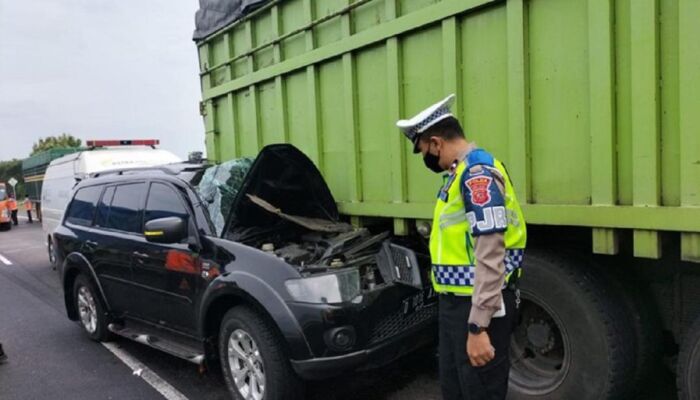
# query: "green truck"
{"type": "Point", "coordinates": [33, 169]}
{"type": "Point", "coordinates": [593, 106]}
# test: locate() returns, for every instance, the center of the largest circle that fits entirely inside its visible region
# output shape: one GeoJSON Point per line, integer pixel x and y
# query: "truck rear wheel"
{"type": "Point", "coordinates": [572, 341]}
{"type": "Point", "coordinates": [688, 374]}
{"type": "Point", "coordinates": [646, 326]}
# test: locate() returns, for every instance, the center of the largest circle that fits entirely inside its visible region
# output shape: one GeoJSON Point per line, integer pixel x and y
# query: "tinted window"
{"type": "Point", "coordinates": [164, 201]}
{"type": "Point", "coordinates": [125, 210]}
{"type": "Point", "coordinates": [82, 208]}
{"type": "Point", "coordinates": [103, 207]}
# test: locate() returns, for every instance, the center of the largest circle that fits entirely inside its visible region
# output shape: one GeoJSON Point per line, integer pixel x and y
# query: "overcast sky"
{"type": "Point", "coordinates": [98, 69]}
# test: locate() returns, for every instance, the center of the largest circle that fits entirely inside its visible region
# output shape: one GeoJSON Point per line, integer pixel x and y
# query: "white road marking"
{"type": "Point", "coordinates": [139, 369]}
{"type": "Point", "coordinates": [5, 260]}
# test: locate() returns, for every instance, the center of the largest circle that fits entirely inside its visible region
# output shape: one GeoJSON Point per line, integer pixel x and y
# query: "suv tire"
{"type": "Point", "coordinates": [91, 312]}
{"type": "Point", "coordinates": [251, 351]}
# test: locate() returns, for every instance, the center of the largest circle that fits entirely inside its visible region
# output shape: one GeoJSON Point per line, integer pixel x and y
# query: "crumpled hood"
{"type": "Point", "coordinates": [285, 177]}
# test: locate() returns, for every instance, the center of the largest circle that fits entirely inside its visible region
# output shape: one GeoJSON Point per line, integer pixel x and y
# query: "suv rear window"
{"type": "Point", "coordinates": [125, 210]}
{"type": "Point", "coordinates": [82, 208]}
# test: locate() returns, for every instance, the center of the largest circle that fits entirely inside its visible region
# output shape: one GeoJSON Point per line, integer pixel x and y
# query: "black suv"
{"type": "Point", "coordinates": [286, 290]}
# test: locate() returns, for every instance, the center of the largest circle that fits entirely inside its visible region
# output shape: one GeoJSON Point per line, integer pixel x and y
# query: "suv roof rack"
{"type": "Point", "coordinates": [158, 168]}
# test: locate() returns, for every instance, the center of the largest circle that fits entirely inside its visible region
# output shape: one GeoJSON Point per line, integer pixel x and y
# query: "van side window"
{"type": "Point", "coordinates": [103, 207]}
{"type": "Point", "coordinates": [163, 202]}
{"type": "Point", "coordinates": [82, 208]}
{"type": "Point", "coordinates": [125, 210]}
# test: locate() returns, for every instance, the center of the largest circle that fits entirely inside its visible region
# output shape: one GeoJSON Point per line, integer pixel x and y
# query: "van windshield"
{"type": "Point", "coordinates": [3, 193]}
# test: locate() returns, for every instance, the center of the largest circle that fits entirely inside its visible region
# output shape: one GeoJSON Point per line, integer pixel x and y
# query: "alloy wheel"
{"type": "Point", "coordinates": [87, 309]}
{"type": "Point", "coordinates": [246, 365]}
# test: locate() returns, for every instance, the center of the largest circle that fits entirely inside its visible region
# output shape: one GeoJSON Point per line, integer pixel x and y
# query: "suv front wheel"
{"type": "Point", "coordinates": [91, 313]}
{"type": "Point", "coordinates": [252, 359]}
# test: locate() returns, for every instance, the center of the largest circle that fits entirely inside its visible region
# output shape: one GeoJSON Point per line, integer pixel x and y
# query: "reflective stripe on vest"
{"type": "Point", "coordinates": [463, 275]}
{"type": "Point", "coordinates": [451, 242]}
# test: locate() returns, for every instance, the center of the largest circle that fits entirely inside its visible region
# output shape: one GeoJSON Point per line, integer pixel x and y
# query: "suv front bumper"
{"type": "Point", "coordinates": [376, 356]}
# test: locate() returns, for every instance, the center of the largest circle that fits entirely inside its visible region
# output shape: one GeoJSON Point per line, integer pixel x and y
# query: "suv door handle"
{"type": "Point", "coordinates": [90, 245]}
{"type": "Point", "coordinates": [139, 255]}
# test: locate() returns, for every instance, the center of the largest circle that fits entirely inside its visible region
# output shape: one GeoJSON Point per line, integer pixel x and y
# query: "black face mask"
{"type": "Point", "coordinates": [432, 162]}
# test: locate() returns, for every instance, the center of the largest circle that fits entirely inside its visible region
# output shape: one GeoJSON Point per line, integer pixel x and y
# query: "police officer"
{"type": "Point", "coordinates": [477, 244]}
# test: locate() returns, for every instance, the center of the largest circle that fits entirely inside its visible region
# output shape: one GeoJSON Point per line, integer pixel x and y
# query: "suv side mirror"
{"type": "Point", "coordinates": [165, 230]}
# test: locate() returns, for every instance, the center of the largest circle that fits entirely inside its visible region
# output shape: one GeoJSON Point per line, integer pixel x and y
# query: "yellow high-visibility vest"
{"type": "Point", "coordinates": [451, 237]}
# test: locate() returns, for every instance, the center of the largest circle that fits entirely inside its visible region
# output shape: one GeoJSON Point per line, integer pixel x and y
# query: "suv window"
{"type": "Point", "coordinates": [125, 210]}
{"type": "Point", "coordinates": [164, 201]}
{"type": "Point", "coordinates": [82, 208]}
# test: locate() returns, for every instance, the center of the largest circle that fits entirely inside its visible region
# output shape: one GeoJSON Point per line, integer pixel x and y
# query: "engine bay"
{"type": "Point", "coordinates": [378, 260]}
{"type": "Point", "coordinates": [283, 207]}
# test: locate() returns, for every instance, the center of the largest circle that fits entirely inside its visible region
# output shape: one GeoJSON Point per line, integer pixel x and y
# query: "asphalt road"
{"type": "Point", "coordinates": [50, 357]}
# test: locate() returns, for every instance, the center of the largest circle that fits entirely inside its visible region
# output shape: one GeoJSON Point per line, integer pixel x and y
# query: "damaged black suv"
{"type": "Point", "coordinates": [277, 290]}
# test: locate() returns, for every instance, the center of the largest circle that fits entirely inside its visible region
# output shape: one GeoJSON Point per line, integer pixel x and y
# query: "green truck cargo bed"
{"type": "Point", "coordinates": [34, 167]}
{"type": "Point", "coordinates": [582, 100]}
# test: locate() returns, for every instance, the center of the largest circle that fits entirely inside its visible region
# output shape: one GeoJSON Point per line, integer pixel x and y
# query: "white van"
{"type": "Point", "coordinates": [65, 172]}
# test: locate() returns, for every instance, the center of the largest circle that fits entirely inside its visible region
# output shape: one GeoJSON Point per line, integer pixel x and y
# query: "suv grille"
{"type": "Point", "coordinates": [399, 322]}
{"type": "Point", "coordinates": [399, 264]}
{"type": "Point", "coordinates": [402, 265]}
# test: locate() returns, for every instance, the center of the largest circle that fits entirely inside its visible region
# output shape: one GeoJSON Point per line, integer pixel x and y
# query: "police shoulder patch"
{"type": "Point", "coordinates": [479, 189]}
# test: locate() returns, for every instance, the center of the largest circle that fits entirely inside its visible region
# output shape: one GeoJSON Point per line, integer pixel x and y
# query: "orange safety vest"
{"type": "Point", "coordinates": [13, 204]}
{"type": "Point", "coordinates": [28, 205]}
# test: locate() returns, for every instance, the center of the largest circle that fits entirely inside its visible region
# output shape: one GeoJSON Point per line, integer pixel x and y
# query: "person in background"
{"type": "Point", "coordinates": [28, 207]}
{"type": "Point", "coordinates": [12, 202]}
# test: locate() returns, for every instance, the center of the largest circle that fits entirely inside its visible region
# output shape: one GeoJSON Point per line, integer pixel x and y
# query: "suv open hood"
{"type": "Point", "coordinates": [286, 178]}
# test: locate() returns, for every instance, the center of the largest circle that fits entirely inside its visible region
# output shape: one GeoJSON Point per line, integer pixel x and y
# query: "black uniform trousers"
{"type": "Point", "coordinates": [14, 216]}
{"type": "Point", "coordinates": [458, 379]}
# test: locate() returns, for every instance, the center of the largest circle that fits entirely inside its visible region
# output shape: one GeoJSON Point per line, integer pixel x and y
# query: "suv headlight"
{"type": "Point", "coordinates": [4, 213]}
{"type": "Point", "coordinates": [336, 287]}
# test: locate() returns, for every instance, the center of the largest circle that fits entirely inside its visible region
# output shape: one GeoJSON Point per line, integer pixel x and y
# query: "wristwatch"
{"type": "Point", "coordinates": [475, 329]}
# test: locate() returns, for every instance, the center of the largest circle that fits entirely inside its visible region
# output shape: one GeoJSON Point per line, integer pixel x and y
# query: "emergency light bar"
{"type": "Point", "coordinates": [137, 142]}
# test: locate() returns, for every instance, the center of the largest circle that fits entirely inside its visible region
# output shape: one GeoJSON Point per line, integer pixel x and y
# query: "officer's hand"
{"type": "Point", "coordinates": [479, 349]}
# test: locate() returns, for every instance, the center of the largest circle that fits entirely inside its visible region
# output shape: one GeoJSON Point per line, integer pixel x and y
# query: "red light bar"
{"type": "Point", "coordinates": [137, 142]}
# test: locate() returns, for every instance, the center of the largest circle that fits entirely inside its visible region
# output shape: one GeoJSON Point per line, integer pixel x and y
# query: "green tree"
{"type": "Point", "coordinates": [12, 169]}
{"type": "Point", "coordinates": [51, 142]}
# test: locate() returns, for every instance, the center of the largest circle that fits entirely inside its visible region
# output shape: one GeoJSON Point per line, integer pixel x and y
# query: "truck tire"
{"type": "Point", "coordinates": [648, 337]}
{"type": "Point", "coordinates": [251, 351]}
{"type": "Point", "coordinates": [91, 312]}
{"type": "Point", "coordinates": [573, 340]}
{"type": "Point", "coordinates": [688, 375]}
{"type": "Point", "coordinates": [6, 226]}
